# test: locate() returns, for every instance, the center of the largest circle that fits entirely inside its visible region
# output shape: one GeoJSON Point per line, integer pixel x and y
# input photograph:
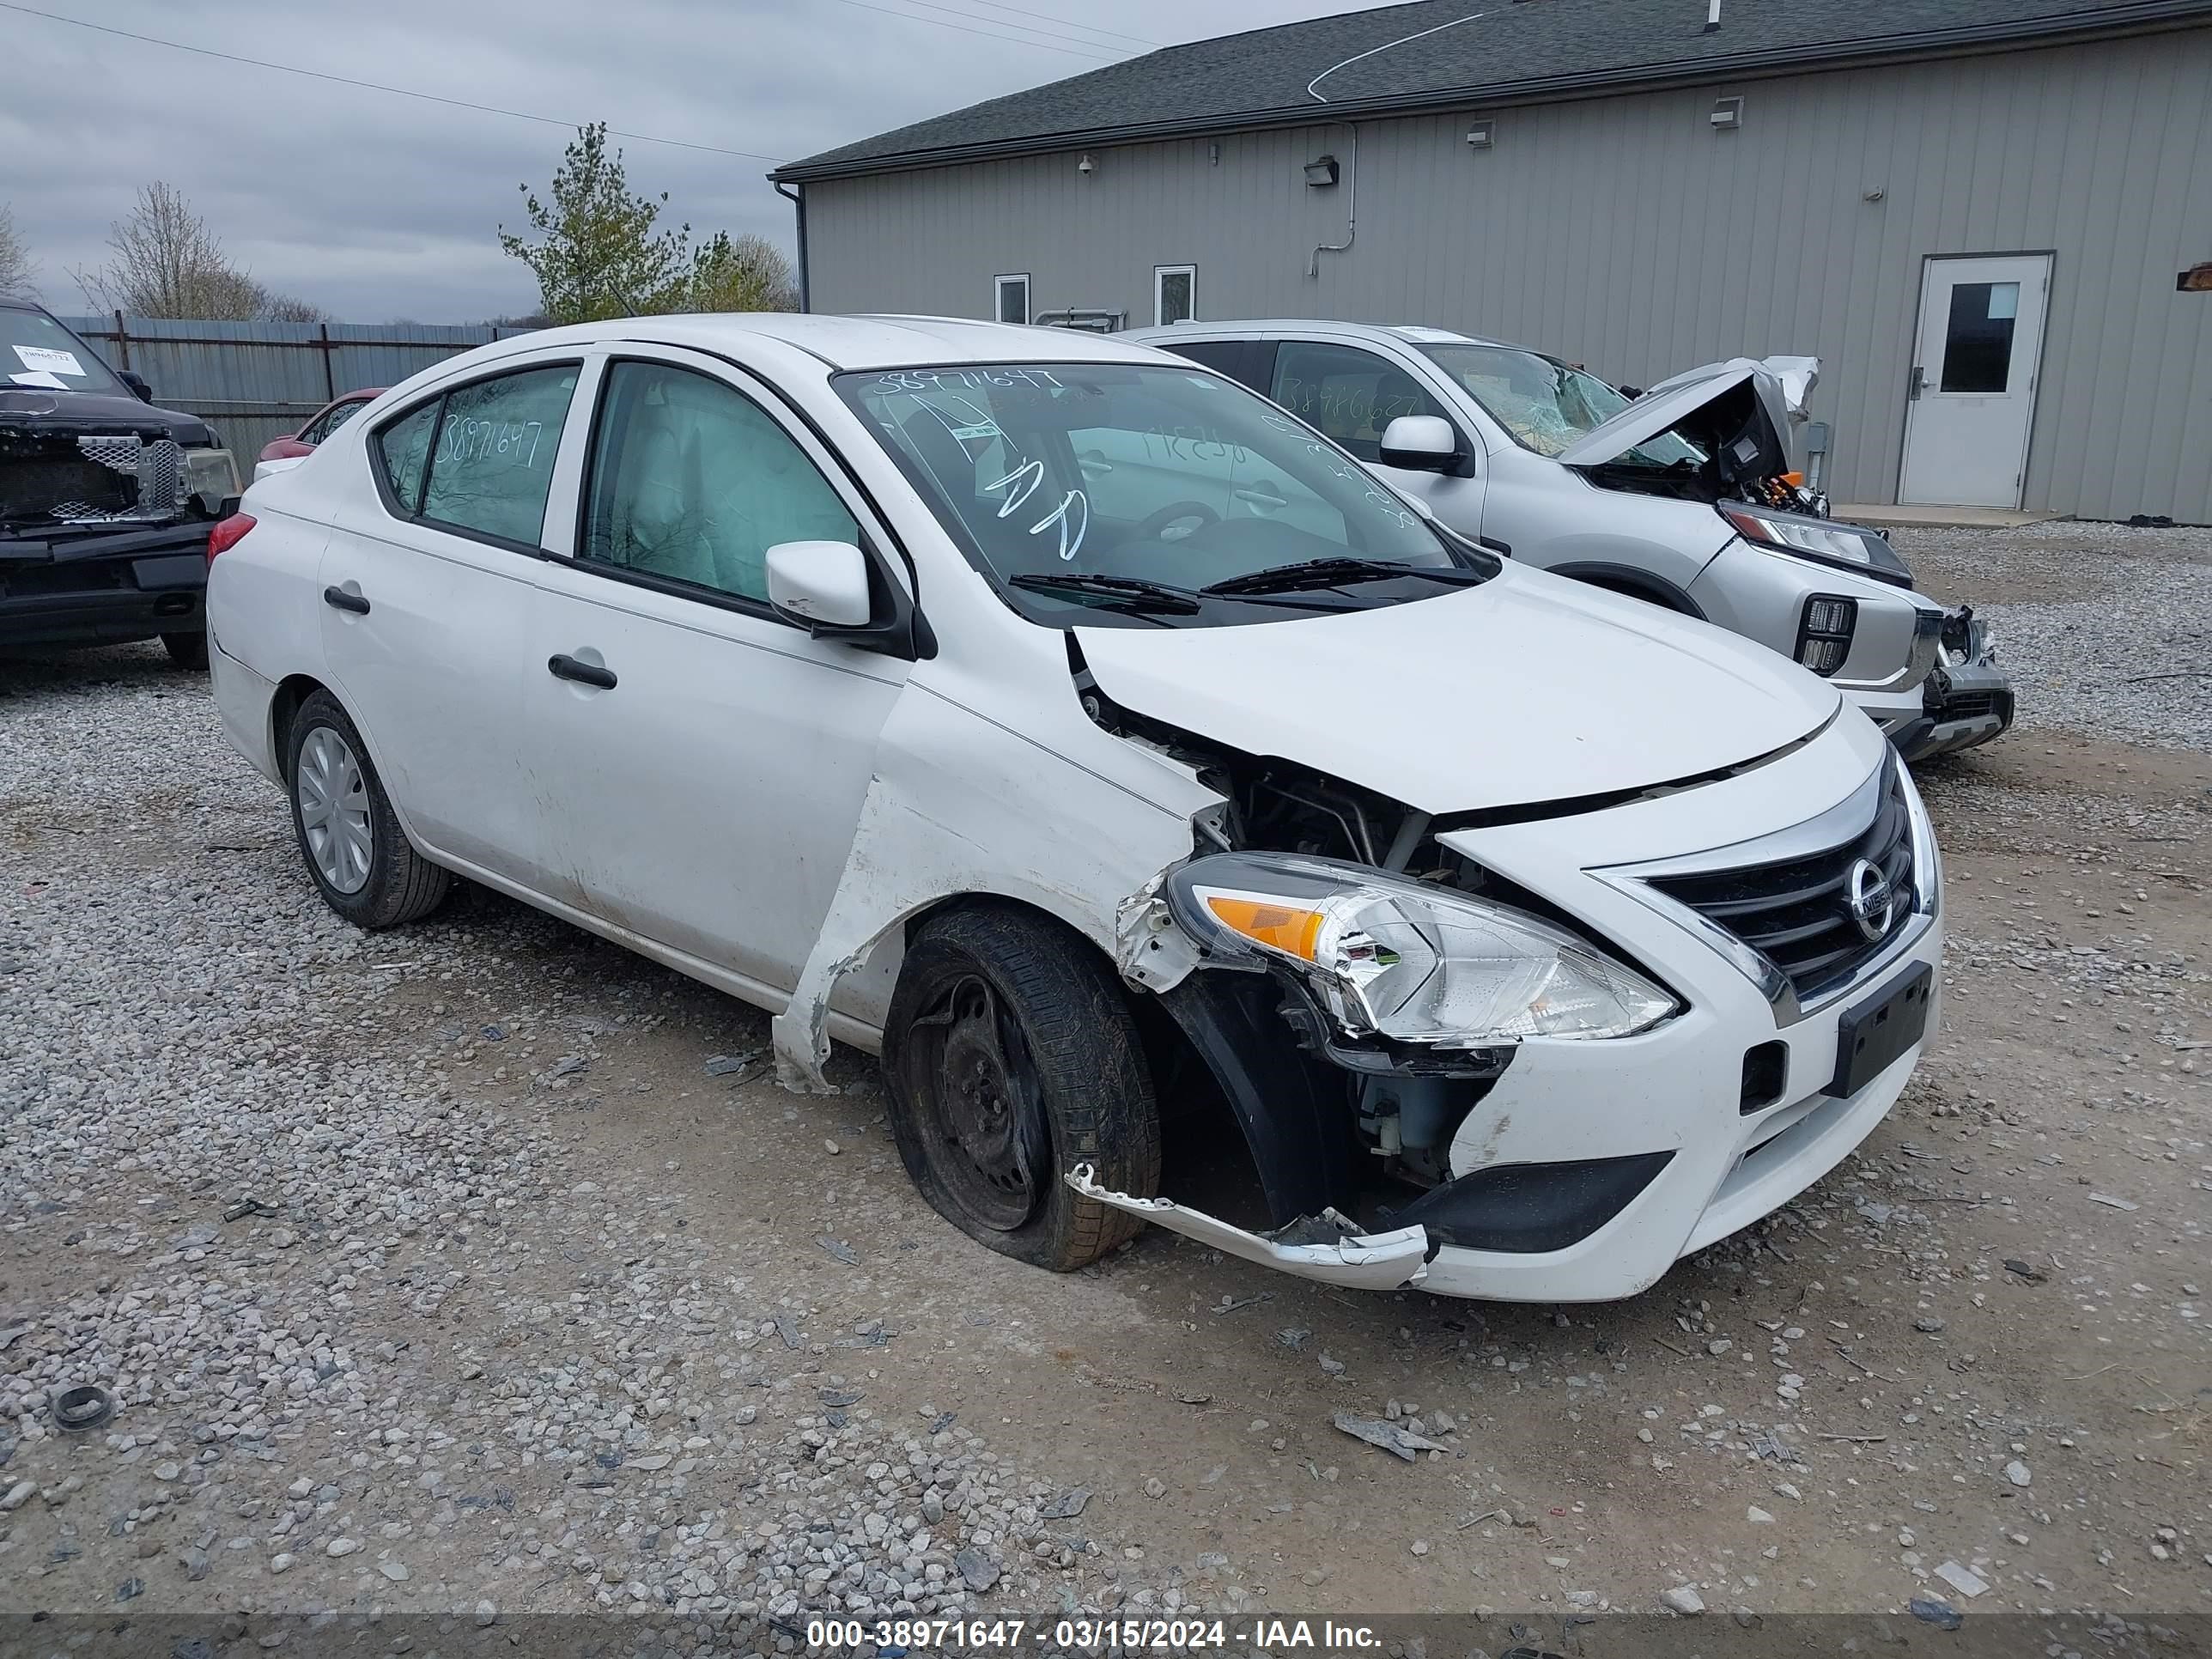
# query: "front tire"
{"type": "Point", "coordinates": [349, 837]}
{"type": "Point", "coordinates": [1010, 1059]}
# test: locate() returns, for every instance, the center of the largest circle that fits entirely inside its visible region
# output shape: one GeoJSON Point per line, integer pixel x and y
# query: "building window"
{"type": "Point", "coordinates": [1175, 294]}
{"type": "Point", "coordinates": [1012, 297]}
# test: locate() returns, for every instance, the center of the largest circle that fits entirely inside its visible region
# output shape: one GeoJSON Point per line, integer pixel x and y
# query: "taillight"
{"type": "Point", "coordinates": [225, 533]}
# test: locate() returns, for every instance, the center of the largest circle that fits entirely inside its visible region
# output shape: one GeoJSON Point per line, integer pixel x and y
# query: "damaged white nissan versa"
{"type": "Point", "coordinates": [1532, 937]}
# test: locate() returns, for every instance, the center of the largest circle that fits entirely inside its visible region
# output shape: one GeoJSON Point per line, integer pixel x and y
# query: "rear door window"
{"type": "Point", "coordinates": [492, 467]}
{"type": "Point", "coordinates": [1240, 359]}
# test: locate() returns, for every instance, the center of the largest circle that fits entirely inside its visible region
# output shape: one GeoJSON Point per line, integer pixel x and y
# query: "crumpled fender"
{"type": "Point", "coordinates": [952, 810]}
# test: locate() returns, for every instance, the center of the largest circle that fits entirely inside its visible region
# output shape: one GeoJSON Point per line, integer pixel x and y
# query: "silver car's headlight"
{"type": "Point", "coordinates": [212, 477]}
{"type": "Point", "coordinates": [1824, 539]}
{"type": "Point", "coordinates": [1409, 961]}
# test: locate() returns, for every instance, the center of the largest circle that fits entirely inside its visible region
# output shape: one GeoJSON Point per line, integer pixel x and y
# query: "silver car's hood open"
{"type": "Point", "coordinates": [1528, 689]}
{"type": "Point", "coordinates": [1781, 385]}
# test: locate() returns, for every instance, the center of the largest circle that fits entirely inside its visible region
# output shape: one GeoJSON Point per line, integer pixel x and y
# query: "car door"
{"type": "Point", "coordinates": [701, 758]}
{"type": "Point", "coordinates": [1352, 394]}
{"type": "Point", "coordinates": [428, 602]}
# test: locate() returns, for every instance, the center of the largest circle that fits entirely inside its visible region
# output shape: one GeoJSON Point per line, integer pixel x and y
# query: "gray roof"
{"type": "Point", "coordinates": [1481, 51]}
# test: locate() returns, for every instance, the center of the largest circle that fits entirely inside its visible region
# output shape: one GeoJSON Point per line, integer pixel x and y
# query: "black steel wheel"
{"type": "Point", "coordinates": [1010, 1060]}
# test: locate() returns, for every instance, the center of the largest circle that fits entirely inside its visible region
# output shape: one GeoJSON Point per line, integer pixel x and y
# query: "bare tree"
{"type": "Point", "coordinates": [284, 308]}
{"type": "Point", "coordinates": [742, 273]}
{"type": "Point", "coordinates": [164, 261]}
{"type": "Point", "coordinates": [16, 267]}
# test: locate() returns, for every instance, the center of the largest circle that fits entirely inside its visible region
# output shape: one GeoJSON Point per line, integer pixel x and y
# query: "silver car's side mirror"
{"type": "Point", "coordinates": [1421, 443]}
{"type": "Point", "coordinates": [820, 583]}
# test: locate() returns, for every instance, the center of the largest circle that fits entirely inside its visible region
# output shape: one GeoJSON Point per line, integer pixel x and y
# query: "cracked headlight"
{"type": "Point", "coordinates": [211, 477]}
{"type": "Point", "coordinates": [1409, 961]}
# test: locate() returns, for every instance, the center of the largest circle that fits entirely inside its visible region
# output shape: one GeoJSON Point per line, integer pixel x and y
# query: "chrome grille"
{"type": "Point", "coordinates": [1818, 917]}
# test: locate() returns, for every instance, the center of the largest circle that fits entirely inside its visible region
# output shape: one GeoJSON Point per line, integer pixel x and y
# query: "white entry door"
{"type": "Point", "coordinates": [1974, 370]}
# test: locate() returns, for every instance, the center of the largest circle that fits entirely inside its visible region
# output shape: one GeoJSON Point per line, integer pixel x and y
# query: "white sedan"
{"type": "Point", "coordinates": [1096, 741]}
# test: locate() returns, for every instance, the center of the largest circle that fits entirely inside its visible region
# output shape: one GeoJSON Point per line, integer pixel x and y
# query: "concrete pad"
{"type": "Point", "coordinates": [1963, 518]}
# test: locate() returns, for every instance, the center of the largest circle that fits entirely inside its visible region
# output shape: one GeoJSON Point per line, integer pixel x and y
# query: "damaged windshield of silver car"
{"type": "Point", "coordinates": [1136, 496]}
{"type": "Point", "coordinates": [1546, 405]}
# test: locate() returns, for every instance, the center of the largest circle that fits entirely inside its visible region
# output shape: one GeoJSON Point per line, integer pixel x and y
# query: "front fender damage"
{"type": "Point", "coordinates": [1327, 1247]}
{"type": "Point", "coordinates": [951, 814]}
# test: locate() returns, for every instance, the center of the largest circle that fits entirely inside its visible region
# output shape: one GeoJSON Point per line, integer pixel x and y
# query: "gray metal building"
{"type": "Point", "coordinates": [1991, 219]}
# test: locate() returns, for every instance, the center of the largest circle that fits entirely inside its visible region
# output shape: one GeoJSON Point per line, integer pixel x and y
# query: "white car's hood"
{"type": "Point", "coordinates": [1526, 688]}
{"type": "Point", "coordinates": [1782, 384]}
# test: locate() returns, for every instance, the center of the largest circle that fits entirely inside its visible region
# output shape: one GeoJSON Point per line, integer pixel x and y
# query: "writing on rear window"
{"type": "Point", "coordinates": [514, 442]}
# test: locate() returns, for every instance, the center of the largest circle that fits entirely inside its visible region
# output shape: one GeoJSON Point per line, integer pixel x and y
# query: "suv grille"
{"type": "Point", "coordinates": [93, 480]}
{"type": "Point", "coordinates": [1805, 916]}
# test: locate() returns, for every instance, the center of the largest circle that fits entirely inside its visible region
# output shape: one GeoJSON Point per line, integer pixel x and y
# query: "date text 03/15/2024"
{"type": "Point", "coordinates": [893, 1638]}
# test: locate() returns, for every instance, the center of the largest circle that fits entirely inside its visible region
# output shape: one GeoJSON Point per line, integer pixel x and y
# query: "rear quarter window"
{"type": "Point", "coordinates": [402, 448]}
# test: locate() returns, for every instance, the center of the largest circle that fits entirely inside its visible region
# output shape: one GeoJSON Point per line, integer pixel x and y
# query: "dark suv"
{"type": "Point", "coordinates": [105, 501]}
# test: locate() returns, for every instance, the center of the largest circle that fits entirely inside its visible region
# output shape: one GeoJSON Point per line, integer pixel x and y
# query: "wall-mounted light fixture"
{"type": "Point", "coordinates": [1213, 153]}
{"type": "Point", "coordinates": [1084, 166]}
{"type": "Point", "coordinates": [1320, 172]}
{"type": "Point", "coordinates": [1728, 114]}
{"type": "Point", "coordinates": [1482, 135]}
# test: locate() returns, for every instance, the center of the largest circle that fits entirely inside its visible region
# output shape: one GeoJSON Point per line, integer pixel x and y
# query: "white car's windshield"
{"type": "Point", "coordinates": [1546, 405]}
{"type": "Point", "coordinates": [1149, 495]}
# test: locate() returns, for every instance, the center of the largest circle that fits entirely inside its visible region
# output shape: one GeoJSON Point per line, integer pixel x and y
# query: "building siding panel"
{"type": "Point", "coordinates": [1627, 234]}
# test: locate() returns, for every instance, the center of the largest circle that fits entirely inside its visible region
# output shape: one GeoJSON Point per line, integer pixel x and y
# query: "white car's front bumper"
{"type": "Point", "coordinates": [1664, 1112]}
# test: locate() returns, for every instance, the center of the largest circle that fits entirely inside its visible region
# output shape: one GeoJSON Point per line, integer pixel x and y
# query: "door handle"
{"type": "Point", "coordinates": [563, 667]}
{"type": "Point", "coordinates": [1918, 385]}
{"type": "Point", "coordinates": [338, 599]}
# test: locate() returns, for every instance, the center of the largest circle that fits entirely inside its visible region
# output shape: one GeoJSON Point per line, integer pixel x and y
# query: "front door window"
{"type": "Point", "coordinates": [693, 483]}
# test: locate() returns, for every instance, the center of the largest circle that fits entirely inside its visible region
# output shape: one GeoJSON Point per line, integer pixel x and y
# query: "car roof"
{"type": "Point", "coordinates": [1262, 327]}
{"type": "Point", "coordinates": [859, 342]}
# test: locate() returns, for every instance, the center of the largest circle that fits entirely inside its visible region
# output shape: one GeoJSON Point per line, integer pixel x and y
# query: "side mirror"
{"type": "Point", "coordinates": [136, 382]}
{"type": "Point", "coordinates": [822, 584]}
{"type": "Point", "coordinates": [1420, 443]}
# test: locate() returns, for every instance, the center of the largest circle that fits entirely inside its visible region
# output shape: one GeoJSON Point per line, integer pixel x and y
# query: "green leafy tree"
{"type": "Point", "coordinates": [742, 273]}
{"type": "Point", "coordinates": [594, 245]}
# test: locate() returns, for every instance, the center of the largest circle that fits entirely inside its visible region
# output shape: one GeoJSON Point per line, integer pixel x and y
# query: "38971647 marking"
{"type": "Point", "coordinates": [875, 1636]}
{"type": "Point", "coordinates": [900, 1636]}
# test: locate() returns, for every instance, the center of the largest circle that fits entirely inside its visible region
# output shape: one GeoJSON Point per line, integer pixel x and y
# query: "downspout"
{"type": "Point", "coordinates": [1351, 211]}
{"type": "Point", "coordinates": [796, 195]}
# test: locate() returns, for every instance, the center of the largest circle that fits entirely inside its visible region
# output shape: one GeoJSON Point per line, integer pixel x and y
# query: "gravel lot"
{"type": "Point", "coordinates": [542, 1305]}
{"type": "Point", "coordinates": [2109, 628]}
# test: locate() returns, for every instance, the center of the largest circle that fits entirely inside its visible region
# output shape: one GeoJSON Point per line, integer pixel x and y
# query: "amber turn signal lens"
{"type": "Point", "coordinates": [1291, 930]}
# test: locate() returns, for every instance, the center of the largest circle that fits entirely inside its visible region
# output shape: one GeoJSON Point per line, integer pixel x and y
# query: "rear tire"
{"type": "Point", "coordinates": [349, 838]}
{"type": "Point", "coordinates": [187, 650]}
{"type": "Point", "coordinates": [1010, 1058]}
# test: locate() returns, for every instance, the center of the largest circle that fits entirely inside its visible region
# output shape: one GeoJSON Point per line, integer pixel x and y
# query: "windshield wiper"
{"type": "Point", "coordinates": [1332, 573]}
{"type": "Point", "coordinates": [1134, 591]}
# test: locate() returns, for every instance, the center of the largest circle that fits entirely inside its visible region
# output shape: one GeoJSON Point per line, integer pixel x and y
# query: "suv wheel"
{"type": "Point", "coordinates": [349, 835]}
{"type": "Point", "coordinates": [1010, 1060]}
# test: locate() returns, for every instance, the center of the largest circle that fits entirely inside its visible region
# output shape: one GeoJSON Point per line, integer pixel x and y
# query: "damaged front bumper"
{"type": "Point", "coordinates": [102, 587]}
{"type": "Point", "coordinates": [1306, 1248]}
{"type": "Point", "coordinates": [1967, 699]}
{"type": "Point", "coordinates": [1582, 1169]}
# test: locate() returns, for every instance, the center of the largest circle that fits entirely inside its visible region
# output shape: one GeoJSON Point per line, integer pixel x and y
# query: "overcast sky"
{"type": "Point", "coordinates": [376, 207]}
